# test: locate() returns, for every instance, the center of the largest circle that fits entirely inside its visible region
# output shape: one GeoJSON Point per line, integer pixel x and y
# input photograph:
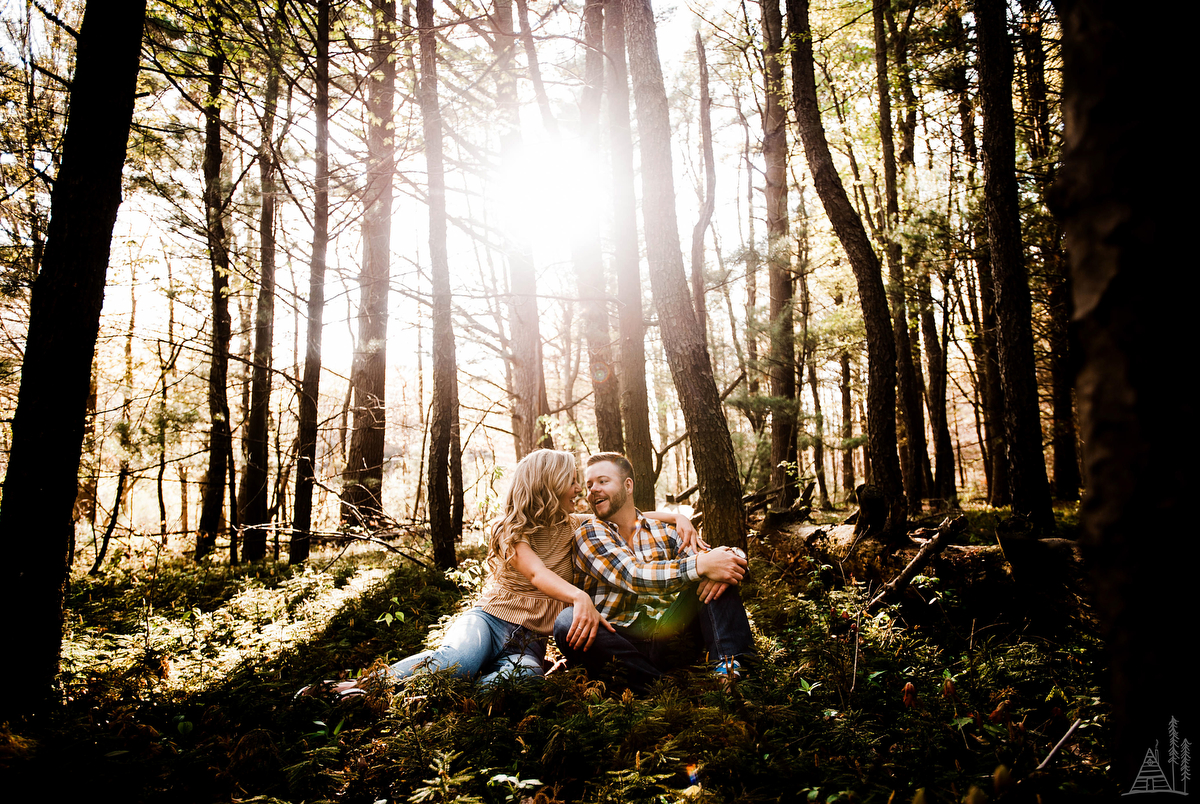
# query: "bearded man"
{"type": "Point", "coordinates": [661, 594]}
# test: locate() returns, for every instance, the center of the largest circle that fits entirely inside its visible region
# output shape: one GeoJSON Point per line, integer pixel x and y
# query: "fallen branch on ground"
{"type": "Point", "coordinates": [931, 548]}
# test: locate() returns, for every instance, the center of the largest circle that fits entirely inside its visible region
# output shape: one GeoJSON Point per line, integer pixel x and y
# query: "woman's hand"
{"type": "Point", "coordinates": [585, 623]}
{"type": "Point", "coordinates": [689, 537]}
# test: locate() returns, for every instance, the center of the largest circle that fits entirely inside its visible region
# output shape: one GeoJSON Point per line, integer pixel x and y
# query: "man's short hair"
{"type": "Point", "coordinates": [616, 458]}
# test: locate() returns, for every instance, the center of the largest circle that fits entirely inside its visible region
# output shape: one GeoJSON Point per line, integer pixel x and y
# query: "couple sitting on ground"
{"type": "Point", "coordinates": [621, 586]}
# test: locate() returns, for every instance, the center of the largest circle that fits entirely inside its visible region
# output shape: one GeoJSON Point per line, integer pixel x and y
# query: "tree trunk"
{"type": "Point", "coordinates": [935, 350]}
{"type": "Point", "coordinates": [64, 318]}
{"type": "Point", "coordinates": [779, 260]}
{"type": "Point", "coordinates": [362, 490]}
{"type": "Point", "coordinates": [881, 346]}
{"type": "Point", "coordinates": [1022, 427]}
{"type": "Point", "coordinates": [635, 399]}
{"type": "Point", "coordinates": [1127, 236]}
{"type": "Point", "coordinates": [253, 502]}
{"type": "Point", "coordinates": [589, 259]}
{"type": "Point", "coordinates": [528, 388]}
{"type": "Point", "coordinates": [445, 370]}
{"type": "Point", "coordinates": [306, 461]}
{"type": "Point", "coordinates": [710, 199]}
{"type": "Point", "coordinates": [687, 356]}
{"type": "Point", "coordinates": [914, 453]}
{"type": "Point", "coordinates": [1054, 269]}
{"type": "Point", "coordinates": [809, 361]}
{"type": "Point", "coordinates": [220, 437]}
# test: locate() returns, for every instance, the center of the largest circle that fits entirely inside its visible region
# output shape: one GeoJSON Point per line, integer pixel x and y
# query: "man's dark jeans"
{"type": "Point", "coordinates": [646, 649]}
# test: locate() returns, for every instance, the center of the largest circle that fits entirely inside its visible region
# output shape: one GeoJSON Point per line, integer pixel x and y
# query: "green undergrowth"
{"type": "Point", "coordinates": [982, 521]}
{"type": "Point", "coordinates": [180, 688]}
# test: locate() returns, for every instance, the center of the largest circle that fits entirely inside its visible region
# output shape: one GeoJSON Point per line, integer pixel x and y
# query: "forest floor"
{"type": "Point", "coordinates": [179, 677]}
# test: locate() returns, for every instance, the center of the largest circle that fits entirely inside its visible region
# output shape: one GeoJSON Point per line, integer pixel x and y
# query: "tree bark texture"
{"type": "Point", "coordinates": [445, 367]}
{"type": "Point", "coordinates": [687, 355]}
{"type": "Point", "coordinates": [306, 460]}
{"type": "Point", "coordinates": [1018, 381]}
{"type": "Point", "coordinates": [588, 257]}
{"type": "Point", "coordinates": [41, 482]}
{"type": "Point", "coordinates": [635, 399]}
{"type": "Point", "coordinates": [219, 434]}
{"type": "Point", "coordinates": [881, 346]}
{"type": "Point", "coordinates": [782, 366]}
{"type": "Point", "coordinates": [254, 503]}
{"type": "Point", "coordinates": [362, 489]}
{"type": "Point", "coordinates": [1127, 236]}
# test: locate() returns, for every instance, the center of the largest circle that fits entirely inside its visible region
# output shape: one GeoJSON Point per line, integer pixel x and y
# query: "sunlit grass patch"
{"type": "Point", "coordinates": [179, 636]}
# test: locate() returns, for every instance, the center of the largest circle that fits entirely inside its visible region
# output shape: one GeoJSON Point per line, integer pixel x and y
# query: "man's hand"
{"type": "Point", "coordinates": [689, 537]}
{"type": "Point", "coordinates": [708, 591]}
{"type": "Point", "coordinates": [584, 623]}
{"type": "Point", "coordinates": [723, 565]}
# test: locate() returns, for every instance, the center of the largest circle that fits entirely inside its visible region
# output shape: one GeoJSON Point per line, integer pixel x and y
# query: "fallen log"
{"type": "Point", "coordinates": [892, 589]}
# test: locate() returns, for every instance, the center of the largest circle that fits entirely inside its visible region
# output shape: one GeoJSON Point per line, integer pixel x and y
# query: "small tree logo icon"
{"type": "Point", "coordinates": [1152, 779]}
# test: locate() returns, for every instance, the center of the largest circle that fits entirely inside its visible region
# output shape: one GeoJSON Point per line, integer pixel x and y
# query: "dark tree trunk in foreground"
{"type": "Point", "coordinates": [306, 460]}
{"type": "Point", "coordinates": [219, 435]}
{"type": "Point", "coordinates": [881, 345]}
{"type": "Point", "coordinates": [253, 504]}
{"type": "Point", "coordinates": [1018, 382]}
{"type": "Point", "coordinates": [779, 259]}
{"type": "Point", "coordinates": [362, 491]}
{"type": "Point", "coordinates": [687, 355]}
{"type": "Point", "coordinates": [635, 401]}
{"type": "Point", "coordinates": [40, 487]}
{"type": "Point", "coordinates": [1126, 237]}
{"type": "Point", "coordinates": [588, 257]}
{"type": "Point", "coordinates": [445, 371]}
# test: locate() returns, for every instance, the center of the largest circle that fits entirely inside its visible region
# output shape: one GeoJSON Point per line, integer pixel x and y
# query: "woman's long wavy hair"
{"type": "Point", "coordinates": [531, 502]}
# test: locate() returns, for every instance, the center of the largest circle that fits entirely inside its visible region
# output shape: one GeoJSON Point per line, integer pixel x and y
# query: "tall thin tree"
{"type": "Point", "coordinates": [635, 398]}
{"type": "Point", "coordinates": [868, 273]}
{"type": "Point", "coordinates": [306, 462]}
{"type": "Point", "coordinates": [1018, 381]}
{"type": "Point", "coordinates": [687, 354]}
{"type": "Point", "coordinates": [362, 491]}
{"type": "Point", "coordinates": [220, 448]}
{"type": "Point", "coordinates": [445, 371]}
{"type": "Point", "coordinates": [253, 502]}
{"type": "Point", "coordinates": [782, 366]}
{"type": "Point", "coordinates": [586, 247]}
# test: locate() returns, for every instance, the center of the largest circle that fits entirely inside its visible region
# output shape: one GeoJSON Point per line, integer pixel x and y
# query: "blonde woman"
{"type": "Point", "coordinates": [530, 572]}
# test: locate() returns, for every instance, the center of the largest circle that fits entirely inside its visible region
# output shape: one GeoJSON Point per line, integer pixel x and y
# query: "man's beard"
{"type": "Point", "coordinates": [616, 501]}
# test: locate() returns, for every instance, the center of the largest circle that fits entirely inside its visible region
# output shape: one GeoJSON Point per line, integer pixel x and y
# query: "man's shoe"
{"type": "Point", "coordinates": [728, 668]}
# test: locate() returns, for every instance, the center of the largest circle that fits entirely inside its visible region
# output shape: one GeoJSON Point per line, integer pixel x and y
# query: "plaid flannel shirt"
{"type": "Point", "coordinates": [625, 579]}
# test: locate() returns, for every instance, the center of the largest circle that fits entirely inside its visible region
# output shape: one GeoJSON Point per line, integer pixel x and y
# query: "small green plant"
{"type": "Point", "coordinates": [395, 615]}
{"type": "Point", "coordinates": [445, 786]}
{"type": "Point", "coordinates": [469, 575]}
{"type": "Point", "coordinates": [325, 733]}
{"type": "Point", "coordinates": [513, 785]}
